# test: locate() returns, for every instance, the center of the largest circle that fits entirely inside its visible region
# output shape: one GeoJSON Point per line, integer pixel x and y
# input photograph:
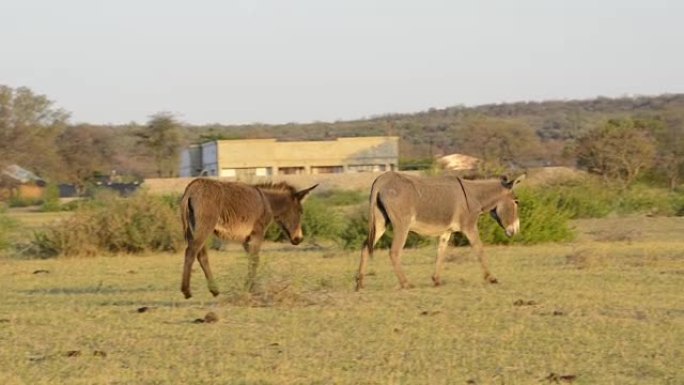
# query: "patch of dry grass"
{"type": "Point", "coordinates": [591, 312]}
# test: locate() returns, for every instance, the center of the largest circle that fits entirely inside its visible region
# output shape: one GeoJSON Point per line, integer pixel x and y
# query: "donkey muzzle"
{"type": "Point", "coordinates": [297, 236]}
{"type": "Point", "coordinates": [513, 229]}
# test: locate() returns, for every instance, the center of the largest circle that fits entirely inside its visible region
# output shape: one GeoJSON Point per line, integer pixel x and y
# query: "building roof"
{"type": "Point", "coordinates": [20, 174]}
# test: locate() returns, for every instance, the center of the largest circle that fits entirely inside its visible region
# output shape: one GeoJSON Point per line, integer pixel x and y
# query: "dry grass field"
{"type": "Point", "coordinates": [606, 309]}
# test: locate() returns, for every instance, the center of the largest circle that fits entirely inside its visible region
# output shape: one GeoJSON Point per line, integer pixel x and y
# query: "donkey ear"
{"type": "Point", "coordinates": [505, 182]}
{"type": "Point", "coordinates": [517, 180]}
{"type": "Point", "coordinates": [511, 184]}
{"type": "Point", "coordinates": [301, 195]}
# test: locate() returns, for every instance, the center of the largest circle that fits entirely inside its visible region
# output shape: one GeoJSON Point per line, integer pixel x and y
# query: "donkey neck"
{"type": "Point", "coordinates": [485, 192]}
{"type": "Point", "coordinates": [277, 199]}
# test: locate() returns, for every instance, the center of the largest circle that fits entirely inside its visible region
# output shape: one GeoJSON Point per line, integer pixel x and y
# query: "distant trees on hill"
{"type": "Point", "coordinates": [37, 135]}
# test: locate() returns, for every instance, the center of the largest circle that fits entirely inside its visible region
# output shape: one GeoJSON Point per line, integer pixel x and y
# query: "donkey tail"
{"type": "Point", "coordinates": [370, 242]}
{"type": "Point", "coordinates": [187, 217]}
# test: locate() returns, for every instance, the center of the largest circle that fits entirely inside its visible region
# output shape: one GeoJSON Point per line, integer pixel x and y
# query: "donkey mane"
{"type": "Point", "coordinates": [279, 186]}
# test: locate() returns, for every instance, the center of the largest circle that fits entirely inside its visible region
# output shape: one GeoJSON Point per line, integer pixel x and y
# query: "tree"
{"type": "Point", "coordinates": [499, 144]}
{"type": "Point", "coordinates": [161, 137]}
{"type": "Point", "coordinates": [86, 151]}
{"type": "Point", "coordinates": [29, 125]}
{"type": "Point", "coordinates": [618, 150]}
{"type": "Point", "coordinates": [670, 147]}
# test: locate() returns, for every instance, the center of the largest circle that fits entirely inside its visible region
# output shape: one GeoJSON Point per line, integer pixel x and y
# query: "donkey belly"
{"type": "Point", "coordinates": [429, 227]}
{"type": "Point", "coordinates": [234, 232]}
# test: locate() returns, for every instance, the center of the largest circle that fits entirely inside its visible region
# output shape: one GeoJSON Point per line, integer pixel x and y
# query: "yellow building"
{"type": "Point", "coordinates": [267, 157]}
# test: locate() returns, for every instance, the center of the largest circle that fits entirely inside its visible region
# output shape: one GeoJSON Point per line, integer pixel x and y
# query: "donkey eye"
{"type": "Point", "coordinates": [515, 201]}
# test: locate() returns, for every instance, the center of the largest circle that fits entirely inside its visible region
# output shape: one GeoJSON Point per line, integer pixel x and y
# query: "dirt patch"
{"type": "Point", "coordinates": [276, 293]}
{"type": "Point", "coordinates": [584, 258]}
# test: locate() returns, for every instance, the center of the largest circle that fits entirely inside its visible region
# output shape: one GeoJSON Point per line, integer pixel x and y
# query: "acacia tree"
{"type": "Point", "coordinates": [86, 151]}
{"type": "Point", "coordinates": [499, 144]}
{"type": "Point", "coordinates": [29, 125]}
{"type": "Point", "coordinates": [670, 147]}
{"type": "Point", "coordinates": [618, 150]}
{"type": "Point", "coordinates": [161, 138]}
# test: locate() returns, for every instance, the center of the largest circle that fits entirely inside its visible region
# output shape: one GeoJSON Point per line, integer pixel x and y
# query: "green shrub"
{"type": "Point", "coordinates": [594, 198]}
{"type": "Point", "coordinates": [678, 203]}
{"type": "Point", "coordinates": [17, 201]}
{"type": "Point", "coordinates": [354, 234]}
{"type": "Point", "coordinates": [584, 198]}
{"type": "Point", "coordinates": [542, 219]}
{"type": "Point", "coordinates": [7, 225]}
{"type": "Point", "coordinates": [341, 197]}
{"type": "Point", "coordinates": [115, 225]}
{"type": "Point", "coordinates": [319, 222]}
{"type": "Point", "coordinates": [643, 199]}
{"type": "Point", "coordinates": [50, 199]}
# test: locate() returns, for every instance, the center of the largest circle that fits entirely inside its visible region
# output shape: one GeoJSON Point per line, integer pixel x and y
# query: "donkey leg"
{"type": "Point", "coordinates": [395, 255]}
{"type": "Point", "coordinates": [203, 229]}
{"type": "Point", "coordinates": [365, 253]}
{"type": "Point", "coordinates": [204, 262]}
{"type": "Point", "coordinates": [443, 242]}
{"type": "Point", "coordinates": [474, 239]}
{"type": "Point", "coordinates": [362, 266]}
{"type": "Point", "coordinates": [252, 246]}
{"type": "Point", "coordinates": [190, 254]}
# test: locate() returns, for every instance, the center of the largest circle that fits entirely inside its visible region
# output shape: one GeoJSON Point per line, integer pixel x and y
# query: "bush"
{"type": "Point", "coordinates": [355, 233]}
{"type": "Point", "coordinates": [116, 225]}
{"type": "Point", "coordinates": [7, 225]}
{"type": "Point", "coordinates": [341, 197]}
{"type": "Point", "coordinates": [319, 222]}
{"type": "Point", "coordinates": [644, 199]}
{"type": "Point", "coordinates": [678, 204]}
{"type": "Point", "coordinates": [17, 201]}
{"type": "Point", "coordinates": [583, 198]}
{"type": "Point", "coordinates": [50, 199]}
{"type": "Point", "coordinates": [592, 198]}
{"type": "Point", "coordinates": [542, 219]}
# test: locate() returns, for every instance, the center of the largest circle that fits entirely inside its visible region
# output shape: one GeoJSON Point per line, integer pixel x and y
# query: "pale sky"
{"type": "Point", "coordinates": [279, 61]}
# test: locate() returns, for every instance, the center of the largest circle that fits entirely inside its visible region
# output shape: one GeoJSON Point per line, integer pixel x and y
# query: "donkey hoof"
{"type": "Point", "coordinates": [359, 283]}
{"type": "Point", "coordinates": [437, 281]}
{"type": "Point", "coordinates": [214, 292]}
{"type": "Point", "coordinates": [407, 285]}
{"type": "Point", "coordinates": [187, 294]}
{"type": "Point", "coordinates": [492, 280]}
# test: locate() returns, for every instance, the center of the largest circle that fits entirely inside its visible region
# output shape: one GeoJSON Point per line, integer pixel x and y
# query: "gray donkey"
{"type": "Point", "coordinates": [436, 206]}
{"type": "Point", "coordinates": [238, 212]}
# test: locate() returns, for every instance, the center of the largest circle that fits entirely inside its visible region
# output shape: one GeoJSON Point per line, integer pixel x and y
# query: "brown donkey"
{"type": "Point", "coordinates": [238, 212]}
{"type": "Point", "coordinates": [436, 206]}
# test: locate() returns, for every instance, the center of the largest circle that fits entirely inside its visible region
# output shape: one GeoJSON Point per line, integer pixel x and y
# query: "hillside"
{"type": "Point", "coordinates": [437, 131]}
{"type": "Point", "coordinates": [38, 135]}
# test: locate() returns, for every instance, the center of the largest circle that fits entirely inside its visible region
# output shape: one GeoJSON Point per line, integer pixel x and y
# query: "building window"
{"type": "Point", "coordinates": [246, 172]}
{"type": "Point", "coordinates": [366, 167]}
{"type": "Point", "coordinates": [327, 169]}
{"type": "Point", "coordinates": [263, 171]}
{"type": "Point", "coordinates": [291, 170]}
{"type": "Point", "coordinates": [228, 172]}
